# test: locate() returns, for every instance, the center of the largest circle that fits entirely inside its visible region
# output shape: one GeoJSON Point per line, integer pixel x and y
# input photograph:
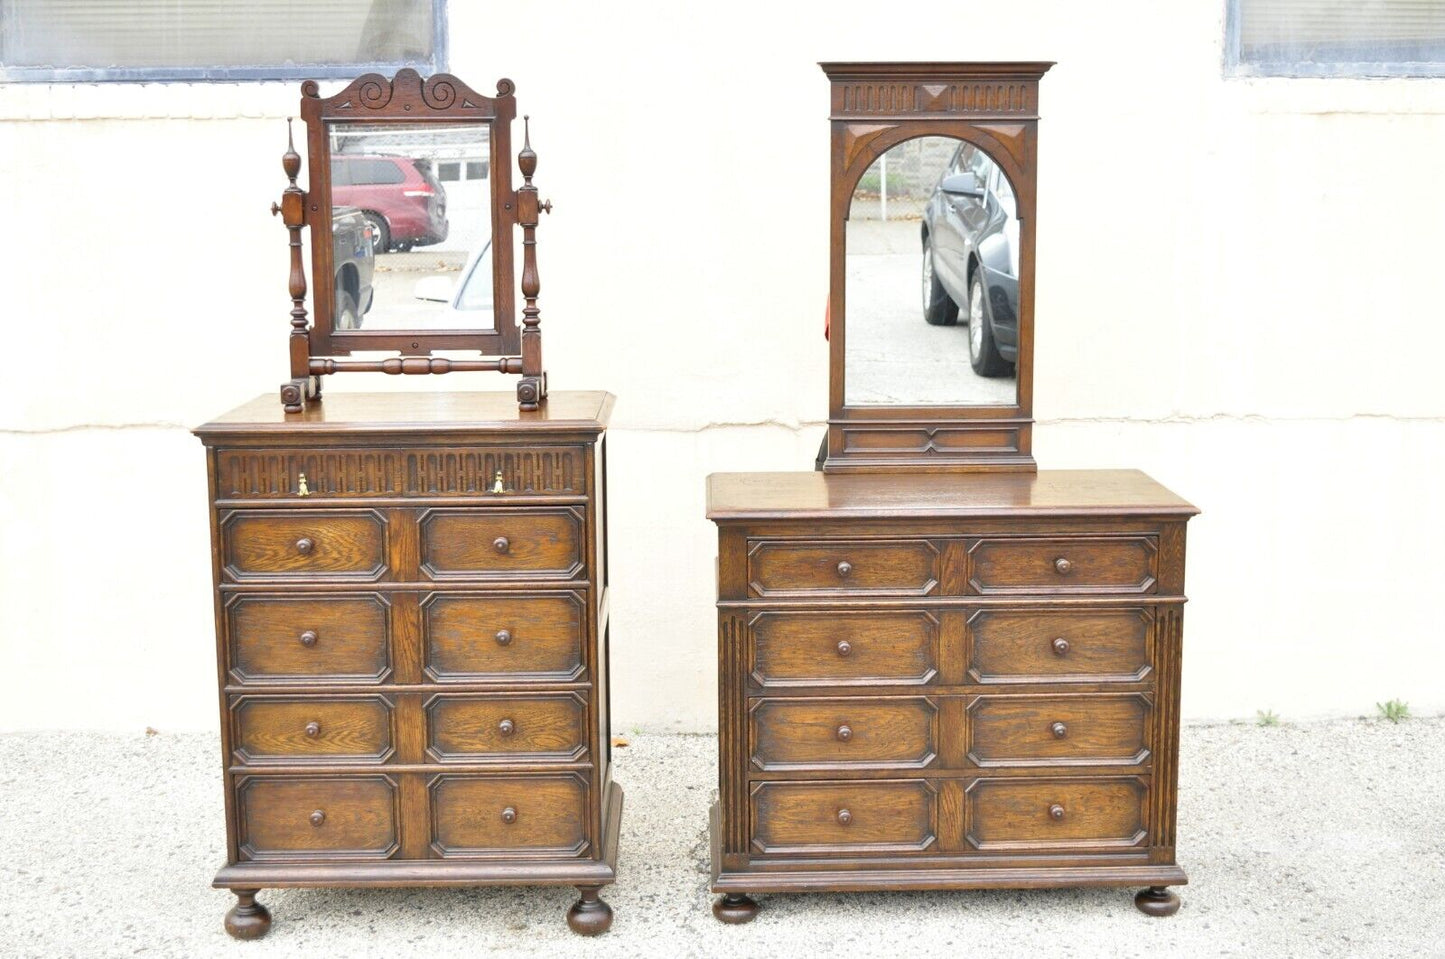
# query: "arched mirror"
{"type": "Point", "coordinates": [931, 289]}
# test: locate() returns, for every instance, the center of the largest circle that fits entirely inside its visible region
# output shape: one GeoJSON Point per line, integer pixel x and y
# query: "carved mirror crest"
{"type": "Point", "coordinates": [931, 281]}
{"type": "Point", "coordinates": [411, 215]}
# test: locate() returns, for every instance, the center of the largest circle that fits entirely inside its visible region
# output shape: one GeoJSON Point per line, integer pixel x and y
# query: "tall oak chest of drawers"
{"type": "Point", "coordinates": [947, 681]}
{"type": "Point", "coordinates": [411, 617]}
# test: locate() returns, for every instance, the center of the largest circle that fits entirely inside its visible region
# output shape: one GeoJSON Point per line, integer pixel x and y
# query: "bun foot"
{"type": "Point", "coordinates": [589, 916]}
{"type": "Point", "coordinates": [248, 919]}
{"type": "Point", "coordinates": [735, 908]}
{"type": "Point", "coordinates": [1157, 901]}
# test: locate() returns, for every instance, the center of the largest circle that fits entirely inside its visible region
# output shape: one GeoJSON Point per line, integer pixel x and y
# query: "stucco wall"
{"type": "Point", "coordinates": [1239, 291]}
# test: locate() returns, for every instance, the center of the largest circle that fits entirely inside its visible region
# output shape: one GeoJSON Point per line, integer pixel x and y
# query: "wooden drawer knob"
{"type": "Point", "coordinates": [1062, 566]}
{"type": "Point", "coordinates": [1061, 646]}
{"type": "Point", "coordinates": [845, 733]}
{"type": "Point", "coordinates": [845, 568]}
{"type": "Point", "coordinates": [844, 647]}
{"type": "Point", "coordinates": [504, 637]}
{"type": "Point", "coordinates": [501, 544]}
{"type": "Point", "coordinates": [1059, 730]}
{"type": "Point", "coordinates": [506, 727]}
{"type": "Point", "coordinates": [1056, 811]}
{"type": "Point", "coordinates": [313, 729]}
{"type": "Point", "coordinates": [844, 817]}
{"type": "Point", "coordinates": [318, 817]}
{"type": "Point", "coordinates": [308, 638]}
{"type": "Point", "coordinates": [305, 545]}
{"type": "Point", "coordinates": [509, 815]}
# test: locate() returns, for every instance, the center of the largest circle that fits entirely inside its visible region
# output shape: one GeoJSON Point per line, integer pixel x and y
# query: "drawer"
{"type": "Point", "coordinates": [303, 729]}
{"type": "Point", "coordinates": [1060, 645]}
{"type": "Point", "coordinates": [1062, 814]}
{"type": "Point", "coordinates": [873, 733]}
{"type": "Point", "coordinates": [301, 544]}
{"type": "Point", "coordinates": [422, 471]}
{"type": "Point", "coordinates": [507, 728]}
{"type": "Point", "coordinates": [844, 648]}
{"type": "Point", "coordinates": [851, 818]}
{"type": "Point", "coordinates": [504, 543]}
{"type": "Point", "coordinates": [315, 817]}
{"type": "Point", "coordinates": [1064, 564]}
{"type": "Point", "coordinates": [308, 638]}
{"type": "Point", "coordinates": [504, 637]}
{"type": "Point", "coordinates": [1088, 730]}
{"type": "Point", "coordinates": [507, 816]}
{"type": "Point", "coordinates": [860, 567]}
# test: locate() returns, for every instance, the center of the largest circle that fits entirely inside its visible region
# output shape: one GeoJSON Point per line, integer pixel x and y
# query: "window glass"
{"type": "Point", "coordinates": [1363, 38]}
{"type": "Point", "coordinates": [372, 171]}
{"type": "Point", "coordinates": [476, 170]}
{"type": "Point", "coordinates": [447, 172]}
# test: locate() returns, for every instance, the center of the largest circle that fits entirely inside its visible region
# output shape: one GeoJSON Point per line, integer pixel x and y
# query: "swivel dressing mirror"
{"type": "Point", "coordinates": [412, 213]}
{"type": "Point", "coordinates": [932, 259]}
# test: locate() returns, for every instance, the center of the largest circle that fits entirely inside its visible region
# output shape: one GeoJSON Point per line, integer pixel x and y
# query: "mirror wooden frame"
{"type": "Point", "coordinates": [875, 106]}
{"type": "Point", "coordinates": [318, 349]}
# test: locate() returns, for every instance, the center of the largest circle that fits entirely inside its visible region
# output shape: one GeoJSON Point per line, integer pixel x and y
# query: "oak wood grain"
{"type": "Point", "coordinates": [481, 637]}
{"type": "Point", "coordinates": [277, 637]}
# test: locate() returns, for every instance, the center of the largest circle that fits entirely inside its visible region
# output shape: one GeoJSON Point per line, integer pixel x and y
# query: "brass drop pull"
{"type": "Point", "coordinates": [497, 485]}
{"type": "Point", "coordinates": [1061, 646]}
{"type": "Point", "coordinates": [504, 637]}
{"type": "Point", "coordinates": [501, 544]}
{"type": "Point", "coordinates": [308, 638]}
{"type": "Point", "coordinates": [318, 817]}
{"type": "Point", "coordinates": [844, 817]}
{"type": "Point", "coordinates": [844, 647]}
{"type": "Point", "coordinates": [313, 729]}
{"type": "Point", "coordinates": [845, 568]}
{"type": "Point", "coordinates": [509, 815]}
{"type": "Point", "coordinates": [305, 545]}
{"type": "Point", "coordinates": [506, 727]}
{"type": "Point", "coordinates": [1062, 566]}
{"type": "Point", "coordinates": [845, 733]}
{"type": "Point", "coordinates": [1056, 811]}
{"type": "Point", "coordinates": [1059, 730]}
{"type": "Point", "coordinates": [301, 488]}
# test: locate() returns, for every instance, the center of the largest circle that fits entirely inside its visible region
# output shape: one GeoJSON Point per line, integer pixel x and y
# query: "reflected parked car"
{"type": "Point", "coordinates": [971, 258]}
{"type": "Point", "coordinates": [401, 198]}
{"type": "Point", "coordinates": [354, 257]}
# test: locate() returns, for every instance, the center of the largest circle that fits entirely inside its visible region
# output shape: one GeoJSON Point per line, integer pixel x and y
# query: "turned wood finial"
{"type": "Point", "coordinates": [532, 388]}
{"type": "Point", "coordinates": [292, 208]}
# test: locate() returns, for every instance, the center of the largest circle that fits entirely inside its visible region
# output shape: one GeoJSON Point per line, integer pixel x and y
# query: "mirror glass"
{"type": "Point", "coordinates": [932, 263]}
{"type": "Point", "coordinates": [411, 218]}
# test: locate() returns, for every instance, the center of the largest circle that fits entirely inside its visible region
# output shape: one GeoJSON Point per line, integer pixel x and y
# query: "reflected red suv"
{"type": "Point", "coordinates": [399, 196]}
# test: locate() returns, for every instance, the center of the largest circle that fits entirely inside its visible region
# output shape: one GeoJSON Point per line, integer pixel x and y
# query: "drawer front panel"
{"type": "Point", "coordinates": [503, 543]}
{"type": "Point", "coordinates": [1064, 564]}
{"type": "Point", "coordinates": [844, 648]}
{"type": "Point", "coordinates": [876, 733]}
{"type": "Point", "coordinates": [877, 567]}
{"type": "Point", "coordinates": [507, 728]}
{"type": "Point", "coordinates": [852, 818]}
{"type": "Point", "coordinates": [302, 544]}
{"type": "Point", "coordinates": [504, 637]}
{"type": "Point", "coordinates": [1060, 645]}
{"type": "Point", "coordinates": [291, 729]}
{"type": "Point", "coordinates": [502, 816]}
{"type": "Point", "coordinates": [445, 471]}
{"type": "Point", "coordinates": [1063, 814]}
{"type": "Point", "coordinates": [314, 817]}
{"type": "Point", "coordinates": [1058, 730]}
{"type": "Point", "coordinates": [278, 639]}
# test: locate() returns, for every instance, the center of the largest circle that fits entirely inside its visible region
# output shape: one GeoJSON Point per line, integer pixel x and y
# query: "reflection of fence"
{"type": "Point", "coordinates": [898, 184]}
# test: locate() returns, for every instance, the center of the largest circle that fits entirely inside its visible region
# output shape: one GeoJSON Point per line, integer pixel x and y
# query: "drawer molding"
{"type": "Point", "coordinates": [507, 545]}
{"type": "Point", "coordinates": [770, 815]}
{"type": "Point", "coordinates": [1064, 564]}
{"type": "Point", "coordinates": [814, 648]}
{"type": "Point", "coordinates": [514, 792]}
{"type": "Point", "coordinates": [831, 567]}
{"type": "Point", "coordinates": [1026, 818]}
{"type": "Point", "coordinates": [308, 637]}
{"type": "Point", "coordinates": [807, 730]}
{"type": "Point", "coordinates": [362, 799]}
{"type": "Point", "coordinates": [336, 719]}
{"type": "Point", "coordinates": [1084, 639]}
{"type": "Point", "coordinates": [531, 638]}
{"type": "Point", "coordinates": [299, 545]}
{"type": "Point", "coordinates": [559, 717]}
{"type": "Point", "coordinates": [1024, 729]}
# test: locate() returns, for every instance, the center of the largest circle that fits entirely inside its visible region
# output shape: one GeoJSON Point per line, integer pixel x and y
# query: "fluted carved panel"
{"type": "Point", "coordinates": [469, 471]}
{"type": "Point", "coordinates": [732, 721]}
{"type": "Point", "coordinates": [1166, 736]}
{"type": "Point", "coordinates": [960, 98]}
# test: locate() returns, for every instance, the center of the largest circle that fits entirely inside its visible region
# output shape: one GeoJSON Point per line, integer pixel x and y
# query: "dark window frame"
{"type": "Point", "coordinates": [437, 63]}
{"type": "Point", "coordinates": [1343, 68]}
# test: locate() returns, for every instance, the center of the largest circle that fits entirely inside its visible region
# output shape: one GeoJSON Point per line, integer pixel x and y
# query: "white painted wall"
{"type": "Point", "coordinates": [1250, 310]}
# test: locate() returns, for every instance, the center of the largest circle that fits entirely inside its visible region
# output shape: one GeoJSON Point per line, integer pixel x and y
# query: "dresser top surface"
{"type": "Point", "coordinates": [441, 412]}
{"type": "Point", "coordinates": [818, 495]}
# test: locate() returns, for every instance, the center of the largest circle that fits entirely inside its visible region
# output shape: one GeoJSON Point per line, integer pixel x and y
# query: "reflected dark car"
{"type": "Point", "coordinates": [971, 258]}
{"type": "Point", "coordinates": [405, 204]}
{"type": "Point", "coordinates": [355, 259]}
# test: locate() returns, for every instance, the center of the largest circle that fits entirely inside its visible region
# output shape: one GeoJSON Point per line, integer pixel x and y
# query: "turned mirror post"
{"type": "Point", "coordinates": [940, 380]}
{"type": "Point", "coordinates": [412, 218]}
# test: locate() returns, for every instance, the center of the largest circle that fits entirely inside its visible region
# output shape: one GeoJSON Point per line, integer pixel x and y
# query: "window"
{"type": "Point", "coordinates": [1335, 38]}
{"type": "Point", "coordinates": [100, 40]}
{"type": "Point", "coordinates": [448, 172]}
{"type": "Point", "coordinates": [376, 171]}
{"type": "Point", "coordinates": [476, 170]}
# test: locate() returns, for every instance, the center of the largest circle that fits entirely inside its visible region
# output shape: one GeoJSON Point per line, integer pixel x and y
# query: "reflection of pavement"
{"type": "Point", "coordinates": [394, 283]}
{"type": "Point", "coordinates": [893, 356]}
